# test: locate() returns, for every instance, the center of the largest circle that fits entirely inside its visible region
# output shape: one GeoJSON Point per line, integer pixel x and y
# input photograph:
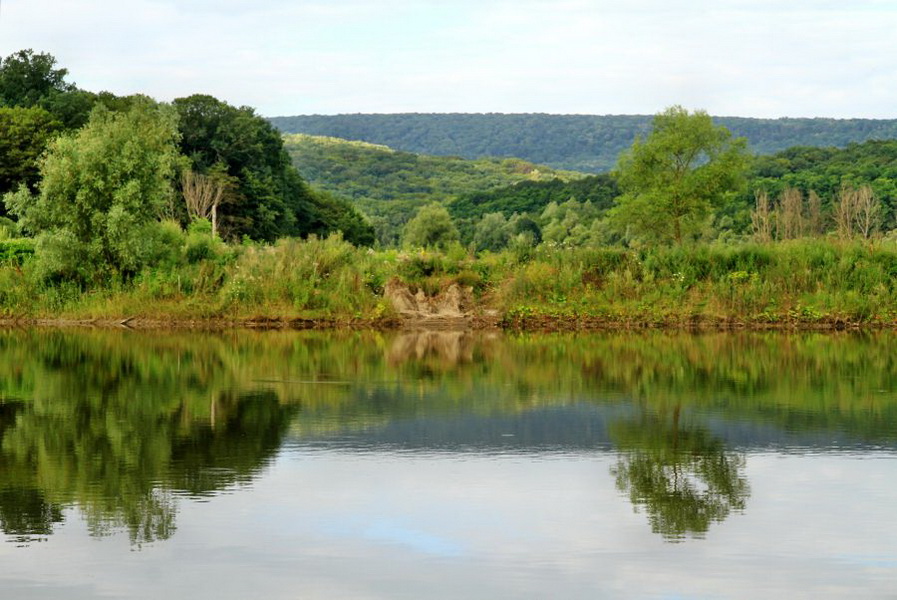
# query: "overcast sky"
{"type": "Point", "coordinates": [757, 58]}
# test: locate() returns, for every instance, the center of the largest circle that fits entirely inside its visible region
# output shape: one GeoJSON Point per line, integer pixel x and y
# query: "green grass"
{"type": "Point", "coordinates": [807, 283]}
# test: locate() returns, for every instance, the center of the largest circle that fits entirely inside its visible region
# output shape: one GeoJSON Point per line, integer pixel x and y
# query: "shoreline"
{"type": "Point", "coordinates": [532, 323]}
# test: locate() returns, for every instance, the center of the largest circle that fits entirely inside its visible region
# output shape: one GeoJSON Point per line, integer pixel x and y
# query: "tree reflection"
{"type": "Point", "coordinates": [680, 474]}
{"type": "Point", "coordinates": [119, 434]}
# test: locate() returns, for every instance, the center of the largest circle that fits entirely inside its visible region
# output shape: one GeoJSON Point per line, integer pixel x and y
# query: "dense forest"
{"type": "Point", "coordinates": [577, 142]}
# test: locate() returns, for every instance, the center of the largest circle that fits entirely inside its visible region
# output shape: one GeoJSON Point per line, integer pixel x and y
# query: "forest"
{"type": "Point", "coordinates": [125, 207]}
{"type": "Point", "coordinates": [587, 143]}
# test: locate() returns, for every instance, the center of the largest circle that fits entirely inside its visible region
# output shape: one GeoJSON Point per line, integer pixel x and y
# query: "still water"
{"type": "Point", "coordinates": [447, 465]}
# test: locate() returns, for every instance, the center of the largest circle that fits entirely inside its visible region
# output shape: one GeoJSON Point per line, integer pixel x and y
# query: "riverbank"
{"type": "Point", "coordinates": [317, 284]}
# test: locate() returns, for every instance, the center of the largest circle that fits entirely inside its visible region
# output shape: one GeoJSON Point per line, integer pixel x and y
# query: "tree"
{"type": "Point", "coordinates": [102, 188]}
{"type": "Point", "coordinates": [332, 213]}
{"type": "Point", "coordinates": [27, 78]}
{"type": "Point", "coordinates": [431, 227]}
{"type": "Point", "coordinates": [492, 232]}
{"type": "Point", "coordinates": [269, 198]}
{"type": "Point", "coordinates": [32, 80]}
{"type": "Point", "coordinates": [203, 194]}
{"type": "Point", "coordinates": [673, 178]}
{"type": "Point", "coordinates": [24, 135]}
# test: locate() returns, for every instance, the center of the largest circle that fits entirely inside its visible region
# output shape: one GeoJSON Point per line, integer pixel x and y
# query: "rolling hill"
{"type": "Point", "coordinates": [577, 142]}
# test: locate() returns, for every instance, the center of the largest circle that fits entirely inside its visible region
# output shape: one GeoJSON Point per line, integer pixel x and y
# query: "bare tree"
{"type": "Point", "coordinates": [868, 213]}
{"type": "Point", "coordinates": [845, 212]}
{"type": "Point", "coordinates": [762, 217]}
{"type": "Point", "coordinates": [789, 215]}
{"type": "Point", "coordinates": [203, 194]}
{"type": "Point", "coordinates": [814, 214]}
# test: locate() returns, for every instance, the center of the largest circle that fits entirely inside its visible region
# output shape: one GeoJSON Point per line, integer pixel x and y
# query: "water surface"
{"type": "Point", "coordinates": [446, 465]}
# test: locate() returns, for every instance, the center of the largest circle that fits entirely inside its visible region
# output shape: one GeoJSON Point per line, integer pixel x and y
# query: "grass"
{"type": "Point", "coordinates": [811, 283]}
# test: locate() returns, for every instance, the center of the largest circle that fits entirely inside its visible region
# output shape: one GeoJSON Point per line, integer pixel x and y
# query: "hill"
{"type": "Point", "coordinates": [389, 185]}
{"type": "Point", "coordinates": [578, 142]}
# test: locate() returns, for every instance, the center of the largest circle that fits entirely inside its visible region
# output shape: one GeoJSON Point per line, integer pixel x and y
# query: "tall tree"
{"type": "Point", "coordinates": [269, 199]}
{"type": "Point", "coordinates": [101, 190]}
{"type": "Point", "coordinates": [29, 79]}
{"type": "Point", "coordinates": [24, 135]}
{"type": "Point", "coordinates": [673, 178]}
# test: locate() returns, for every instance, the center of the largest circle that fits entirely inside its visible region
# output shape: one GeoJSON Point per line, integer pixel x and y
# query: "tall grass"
{"type": "Point", "coordinates": [799, 282]}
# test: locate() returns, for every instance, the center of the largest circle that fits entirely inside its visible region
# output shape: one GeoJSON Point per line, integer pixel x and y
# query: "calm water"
{"type": "Point", "coordinates": [313, 465]}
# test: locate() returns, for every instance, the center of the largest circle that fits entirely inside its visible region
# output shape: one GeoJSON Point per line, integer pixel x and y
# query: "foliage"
{"type": "Point", "coordinates": [572, 223]}
{"type": "Point", "coordinates": [269, 199]}
{"type": "Point", "coordinates": [586, 143]}
{"type": "Point", "coordinates": [102, 188]}
{"type": "Point", "coordinates": [492, 233]}
{"type": "Point", "coordinates": [431, 227]}
{"type": "Point", "coordinates": [674, 177]}
{"type": "Point", "coordinates": [30, 80]}
{"type": "Point", "coordinates": [390, 186]}
{"type": "Point", "coordinates": [27, 78]}
{"type": "Point", "coordinates": [334, 214]}
{"type": "Point", "coordinates": [533, 196]}
{"type": "Point", "coordinates": [24, 135]}
{"type": "Point", "coordinates": [15, 251]}
{"type": "Point", "coordinates": [825, 171]}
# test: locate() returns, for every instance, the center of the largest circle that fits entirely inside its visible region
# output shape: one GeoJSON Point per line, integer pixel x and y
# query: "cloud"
{"type": "Point", "coordinates": [734, 57]}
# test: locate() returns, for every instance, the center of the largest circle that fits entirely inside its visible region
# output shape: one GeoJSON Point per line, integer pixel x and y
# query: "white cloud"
{"type": "Point", "coordinates": [734, 57]}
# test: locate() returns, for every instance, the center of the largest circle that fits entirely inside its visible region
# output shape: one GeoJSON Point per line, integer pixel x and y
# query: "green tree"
{"type": "Point", "coordinates": [29, 79]}
{"type": "Point", "coordinates": [673, 178]}
{"type": "Point", "coordinates": [492, 232]}
{"type": "Point", "coordinates": [270, 199]}
{"type": "Point", "coordinates": [24, 135]}
{"type": "Point", "coordinates": [431, 227]}
{"type": "Point", "coordinates": [102, 188]}
{"type": "Point", "coordinates": [332, 213]}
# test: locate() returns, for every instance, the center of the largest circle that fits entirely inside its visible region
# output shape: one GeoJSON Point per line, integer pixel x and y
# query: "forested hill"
{"type": "Point", "coordinates": [576, 142]}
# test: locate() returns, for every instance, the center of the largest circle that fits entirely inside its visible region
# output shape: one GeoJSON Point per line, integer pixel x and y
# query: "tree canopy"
{"type": "Point", "coordinates": [673, 178]}
{"type": "Point", "coordinates": [24, 135]}
{"type": "Point", "coordinates": [431, 227]}
{"type": "Point", "coordinates": [589, 143]}
{"type": "Point", "coordinates": [102, 190]}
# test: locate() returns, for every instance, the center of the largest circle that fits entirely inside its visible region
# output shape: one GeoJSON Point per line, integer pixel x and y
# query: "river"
{"type": "Point", "coordinates": [365, 465]}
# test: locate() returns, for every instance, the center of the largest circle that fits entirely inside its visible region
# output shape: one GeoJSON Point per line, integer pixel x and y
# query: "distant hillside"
{"type": "Point", "coordinates": [576, 142]}
{"type": "Point", "coordinates": [389, 186]}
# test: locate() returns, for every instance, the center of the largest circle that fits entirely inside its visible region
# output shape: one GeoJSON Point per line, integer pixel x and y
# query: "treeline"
{"type": "Point", "coordinates": [93, 176]}
{"type": "Point", "coordinates": [587, 143]}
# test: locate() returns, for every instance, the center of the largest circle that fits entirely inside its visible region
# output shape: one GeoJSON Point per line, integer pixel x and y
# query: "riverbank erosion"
{"type": "Point", "coordinates": [328, 283]}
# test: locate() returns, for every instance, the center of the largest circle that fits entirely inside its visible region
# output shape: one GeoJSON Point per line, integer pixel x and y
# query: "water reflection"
{"type": "Point", "coordinates": [682, 475]}
{"type": "Point", "coordinates": [118, 432]}
{"type": "Point", "coordinates": [120, 426]}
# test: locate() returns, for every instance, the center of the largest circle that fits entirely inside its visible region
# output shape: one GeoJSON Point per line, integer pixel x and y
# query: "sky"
{"type": "Point", "coordinates": [751, 58]}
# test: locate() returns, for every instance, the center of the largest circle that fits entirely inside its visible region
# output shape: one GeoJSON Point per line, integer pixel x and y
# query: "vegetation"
{"type": "Point", "coordinates": [262, 197]}
{"type": "Point", "coordinates": [674, 178]}
{"type": "Point", "coordinates": [432, 228]}
{"type": "Point", "coordinates": [577, 142]}
{"type": "Point", "coordinates": [390, 186]}
{"type": "Point", "coordinates": [194, 210]}
{"type": "Point", "coordinates": [101, 190]}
